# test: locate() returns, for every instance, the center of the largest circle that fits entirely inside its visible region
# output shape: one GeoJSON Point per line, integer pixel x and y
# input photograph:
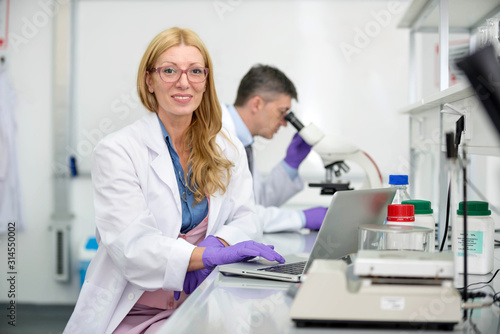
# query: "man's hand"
{"type": "Point", "coordinates": [315, 217]}
{"type": "Point", "coordinates": [297, 151]}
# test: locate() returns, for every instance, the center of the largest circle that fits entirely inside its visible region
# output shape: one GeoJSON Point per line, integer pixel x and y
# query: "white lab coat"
{"type": "Point", "coordinates": [10, 189]}
{"type": "Point", "coordinates": [138, 218]}
{"type": "Point", "coordinates": [271, 192]}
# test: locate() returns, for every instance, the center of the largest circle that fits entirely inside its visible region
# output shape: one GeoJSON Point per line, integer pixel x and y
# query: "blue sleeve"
{"type": "Point", "coordinates": [302, 217]}
{"type": "Point", "coordinates": [292, 172]}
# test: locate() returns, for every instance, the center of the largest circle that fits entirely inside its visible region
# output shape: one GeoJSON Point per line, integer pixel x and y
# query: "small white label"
{"type": "Point", "coordinates": [392, 303]}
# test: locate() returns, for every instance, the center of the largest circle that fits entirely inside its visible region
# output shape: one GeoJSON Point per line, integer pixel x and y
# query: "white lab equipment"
{"type": "Point", "coordinates": [392, 289]}
{"type": "Point", "coordinates": [394, 237]}
{"type": "Point", "coordinates": [334, 151]}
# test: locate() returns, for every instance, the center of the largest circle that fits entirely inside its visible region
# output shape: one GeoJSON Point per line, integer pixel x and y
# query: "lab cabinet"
{"type": "Point", "coordinates": [430, 120]}
{"type": "Point", "coordinates": [443, 19]}
{"type": "Point", "coordinates": [431, 117]}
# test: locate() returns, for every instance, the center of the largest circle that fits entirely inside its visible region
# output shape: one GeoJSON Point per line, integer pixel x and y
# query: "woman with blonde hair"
{"type": "Point", "coordinates": [172, 194]}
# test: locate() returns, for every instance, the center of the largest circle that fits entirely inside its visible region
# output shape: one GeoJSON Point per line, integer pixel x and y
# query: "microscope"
{"type": "Point", "coordinates": [334, 152]}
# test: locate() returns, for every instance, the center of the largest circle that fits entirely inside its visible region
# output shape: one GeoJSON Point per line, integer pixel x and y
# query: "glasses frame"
{"type": "Point", "coordinates": [158, 70]}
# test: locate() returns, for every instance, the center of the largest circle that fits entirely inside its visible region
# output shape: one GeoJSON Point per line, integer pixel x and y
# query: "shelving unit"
{"type": "Point", "coordinates": [444, 17]}
{"type": "Point", "coordinates": [466, 14]}
{"type": "Point", "coordinates": [428, 124]}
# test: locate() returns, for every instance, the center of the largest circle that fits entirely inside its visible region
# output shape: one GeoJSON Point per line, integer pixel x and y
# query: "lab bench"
{"type": "Point", "coordinates": [231, 304]}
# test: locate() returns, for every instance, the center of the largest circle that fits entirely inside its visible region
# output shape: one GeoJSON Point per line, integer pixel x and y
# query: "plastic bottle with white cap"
{"type": "Point", "coordinates": [424, 218]}
{"type": "Point", "coordinates": [480, 238]}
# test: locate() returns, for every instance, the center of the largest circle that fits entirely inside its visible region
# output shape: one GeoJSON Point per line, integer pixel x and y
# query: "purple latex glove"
{"type": "Point", "coordinates": [196, 277]}
{"type": "Point", "coordinates": [242, 251]}
{"type": "Point", "coordinates": [314, 217]}
{"type": "Point", "coordinates": [297, 151]}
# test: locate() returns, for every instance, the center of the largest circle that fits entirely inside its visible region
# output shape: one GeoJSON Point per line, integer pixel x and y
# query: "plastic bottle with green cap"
{"type": "Point", "coordinates": [424, 218]}
{"type": "Point", "coordinates": [480, 238]}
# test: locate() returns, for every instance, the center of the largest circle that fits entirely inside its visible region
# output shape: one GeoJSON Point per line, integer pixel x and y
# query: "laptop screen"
{"type": "Point", "coordinates": [349, 210]}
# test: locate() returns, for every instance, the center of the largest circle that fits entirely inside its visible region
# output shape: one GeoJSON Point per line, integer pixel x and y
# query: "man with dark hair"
{"type": "Point", "coordinates": [264, 98]}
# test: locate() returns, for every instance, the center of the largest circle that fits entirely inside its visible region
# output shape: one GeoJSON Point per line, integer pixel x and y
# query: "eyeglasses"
{"type": "Point", "coordinates": [171, 74]}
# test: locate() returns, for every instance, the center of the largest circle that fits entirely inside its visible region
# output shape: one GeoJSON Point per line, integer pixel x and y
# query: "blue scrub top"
{"type": "Point", "coordinates": [191, 215]}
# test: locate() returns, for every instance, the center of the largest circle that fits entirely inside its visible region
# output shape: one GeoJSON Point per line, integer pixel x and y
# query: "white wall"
{"type": "Point", "coordinates": [357, 97]}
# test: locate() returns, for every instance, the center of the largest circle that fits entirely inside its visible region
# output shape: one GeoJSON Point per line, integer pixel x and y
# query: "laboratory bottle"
{"type": "Point", "coordinates": [424, 218]}
{"type": "Point", "coordinates": [480, 238]}
{"type": "Point", "coordinates": [400, 182]}
{"type": "Point", "coordinates": [402, 215]}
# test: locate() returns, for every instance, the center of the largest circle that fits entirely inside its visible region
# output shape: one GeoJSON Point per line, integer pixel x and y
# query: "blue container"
{"type": "Point", "coordinates": [86, 254]}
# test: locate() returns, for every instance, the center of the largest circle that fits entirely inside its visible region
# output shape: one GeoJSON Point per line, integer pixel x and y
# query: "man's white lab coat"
{"type": "Point", "coordinates": [271, 192]}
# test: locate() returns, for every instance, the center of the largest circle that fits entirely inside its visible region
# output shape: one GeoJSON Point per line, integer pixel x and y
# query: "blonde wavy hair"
{"type": "Point", "coordinates": [210, 171]}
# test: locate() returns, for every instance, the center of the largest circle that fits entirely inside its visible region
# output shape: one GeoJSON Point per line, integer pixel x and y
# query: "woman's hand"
{"type": "Point", "coordinates": [242, 251]}
{"type": "Point", "coordinates": [196, 277]}
{"type": "Point", "coordinates": [215, 253]}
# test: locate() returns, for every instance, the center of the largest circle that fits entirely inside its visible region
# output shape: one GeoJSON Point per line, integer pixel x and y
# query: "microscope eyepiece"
{"type": "Point", "coordinates": [290, 117]}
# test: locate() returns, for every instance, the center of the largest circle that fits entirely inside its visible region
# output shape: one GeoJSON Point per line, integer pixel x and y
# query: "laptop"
{"type": "Point", "coordinates": [336, 239]}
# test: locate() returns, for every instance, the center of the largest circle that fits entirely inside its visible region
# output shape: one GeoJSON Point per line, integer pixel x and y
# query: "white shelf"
{"type": "Point", "coordinates": [483, 140]}
{"type": "Point", "coordinates": [456, 92]}
{"type": "Point", "coordinates": [480, 150]}
{"type": "Point", "coordinates": [466, 13]}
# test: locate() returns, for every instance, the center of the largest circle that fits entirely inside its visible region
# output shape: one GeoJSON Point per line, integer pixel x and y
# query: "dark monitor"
{"type": "Point", "coordinates": [483, 71]}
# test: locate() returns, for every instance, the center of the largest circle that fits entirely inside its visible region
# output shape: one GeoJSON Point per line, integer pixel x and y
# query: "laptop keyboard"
{"type": "Point", "coordinates": [295, 268]}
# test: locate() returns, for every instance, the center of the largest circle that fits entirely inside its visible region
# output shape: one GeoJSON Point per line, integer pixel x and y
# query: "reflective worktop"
{"type": "Point", "coordinates": [232, 304]}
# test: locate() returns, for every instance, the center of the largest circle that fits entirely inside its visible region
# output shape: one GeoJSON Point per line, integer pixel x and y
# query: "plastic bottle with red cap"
{"type": "Point", "coordinates": [403, 216]}
{"type": "Point", "coordinates": [405, 235]}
